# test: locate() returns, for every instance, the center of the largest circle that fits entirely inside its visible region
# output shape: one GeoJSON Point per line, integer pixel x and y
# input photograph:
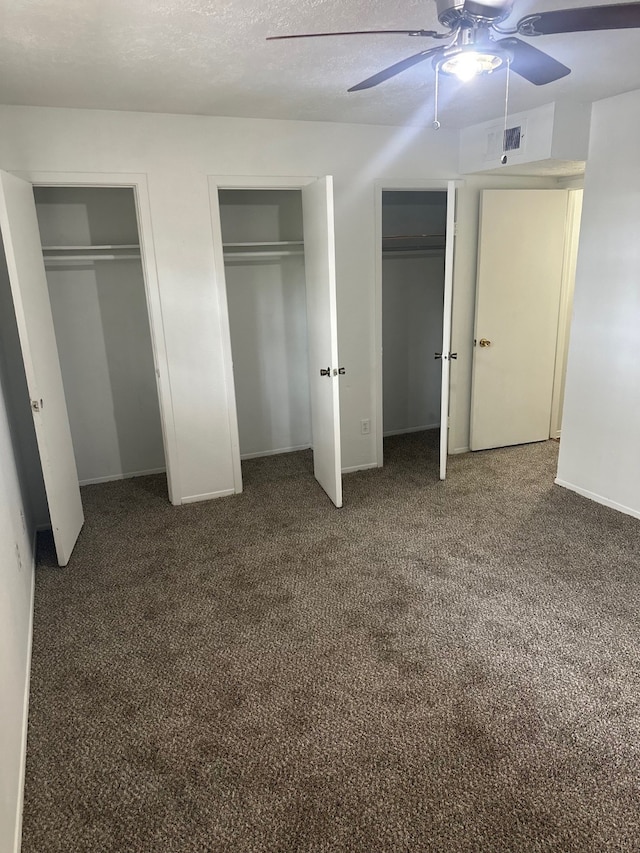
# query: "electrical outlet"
{"type": "Point", "coordinates": [365, 426]}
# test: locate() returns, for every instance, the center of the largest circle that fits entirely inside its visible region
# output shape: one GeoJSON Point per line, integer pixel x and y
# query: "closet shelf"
{"type": "Point", "coordinates": [105, 252]}
{"type": "Point", "coordinates": [274, 243]}
{"type": "Point", "coordinates": [258, 251]}
{"type": "Point", "coordinates": [90, 248]}
{"type": "Point", "coordinates": [243, 256]}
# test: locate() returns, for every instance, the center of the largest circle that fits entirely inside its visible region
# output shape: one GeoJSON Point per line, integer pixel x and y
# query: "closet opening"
{"type": "Point", "coordinates": [96, 282]}
{"type": "Point", "coordinates": [414, 230]}
{"type": "Point", "coordinates": [264, 266]}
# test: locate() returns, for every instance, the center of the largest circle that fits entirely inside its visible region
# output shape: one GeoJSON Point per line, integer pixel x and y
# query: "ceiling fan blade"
{"type": "Point", "coordinates": [392, 70]}
{"type": "Point", "coordinates": [427, 33]}
{"type": "Point", "coordinates": [619, 16]}
{"type": "Point", "coordinates": [534, 65]}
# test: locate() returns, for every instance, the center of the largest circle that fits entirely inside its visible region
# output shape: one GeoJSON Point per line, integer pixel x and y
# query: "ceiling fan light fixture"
{"type": "Point", "coordinates": [468, 64]}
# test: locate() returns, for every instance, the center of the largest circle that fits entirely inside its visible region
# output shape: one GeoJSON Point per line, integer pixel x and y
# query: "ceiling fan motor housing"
{"type": "Point", "coordinates": [456, 13]}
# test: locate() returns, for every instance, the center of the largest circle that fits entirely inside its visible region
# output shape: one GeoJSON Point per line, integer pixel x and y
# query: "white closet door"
{"type": "Point", "coordinates": [21, 238]}
{"type": "Point", "coordinates": [446, 328]}
{"type": "Point", "coordinates": [322, 320]}
{"type": "Point", "coordinates": [520, 257]}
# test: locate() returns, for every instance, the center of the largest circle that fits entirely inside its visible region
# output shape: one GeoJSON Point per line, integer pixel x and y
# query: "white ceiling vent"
{"type": "Point", "coordinates": [553, 133]}
{"type": "Point", "coordinates": [500, 141]}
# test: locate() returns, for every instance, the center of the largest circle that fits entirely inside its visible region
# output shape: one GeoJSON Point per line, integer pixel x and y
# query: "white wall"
{"type": "Point", "coordinates": [102, 333]}
{"type": "Point", "coordinates": [260, 215]}
{"type": "Point", "coordinates": [16, 575]}
{"type": "Point", "coordinates": [177, 153]}
{"type": "Point", "coordinates": [268, 323]}
{"type": "Point", "coordinates": [600, 450]}
{"type": "Point", "coordinates": [412, 302]}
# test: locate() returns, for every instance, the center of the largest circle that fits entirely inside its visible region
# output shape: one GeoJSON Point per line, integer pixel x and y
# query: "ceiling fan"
{"type": "Point", "coordinates": [473, 49]}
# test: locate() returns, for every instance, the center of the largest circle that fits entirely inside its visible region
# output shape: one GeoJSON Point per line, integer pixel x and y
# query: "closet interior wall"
{"type": "Point", "coordinates": [262, 236]}
{"type": "Point", "coordinates": [96, 286]}
{"type": "Point", "coordinates": [413, 243]}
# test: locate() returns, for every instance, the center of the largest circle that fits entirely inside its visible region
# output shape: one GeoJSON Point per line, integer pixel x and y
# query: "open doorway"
{"type": "Point", "coordinates": [277, 266]}
{"type": "Point", "coordinates": [415, 296]}
{"type": "Point", "coordinates": [95, 278]}
{"type": "Point", "coordinates": [413, 245]}
{"type": "Point", "coordinates": [266, 297]}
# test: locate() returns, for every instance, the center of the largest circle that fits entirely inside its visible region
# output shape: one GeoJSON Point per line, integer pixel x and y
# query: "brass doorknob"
{"type": "Point", "coordinates": [484, 342]}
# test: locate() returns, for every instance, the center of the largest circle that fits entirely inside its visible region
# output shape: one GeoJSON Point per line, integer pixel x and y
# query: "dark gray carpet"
{"type": "Point", "coordinates": [432, 668]}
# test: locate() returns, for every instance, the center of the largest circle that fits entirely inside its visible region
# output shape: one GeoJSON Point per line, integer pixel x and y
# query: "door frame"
{"type": "Point", "coordinates": [237, 182]}
{"type": "Point", "coordinates": [436, 185]}
{"type": "Point", "coordinates": [138, 183]}
{"type": "Point", "coordinates": [572, 237]}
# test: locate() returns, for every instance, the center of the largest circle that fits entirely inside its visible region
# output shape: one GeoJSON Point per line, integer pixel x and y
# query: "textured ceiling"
{"type": "Point", "coordinates": [210, 57]}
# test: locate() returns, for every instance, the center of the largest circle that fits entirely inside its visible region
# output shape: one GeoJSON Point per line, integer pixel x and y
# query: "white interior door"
{"type": "Point", "coordinates": [322, 321]}
{"type": "Point", "coordinates": [21, 239]}
{"type": "Point", "coordinates": [520, 257]}
{"type": "Point", "coordinates": [446, 327]}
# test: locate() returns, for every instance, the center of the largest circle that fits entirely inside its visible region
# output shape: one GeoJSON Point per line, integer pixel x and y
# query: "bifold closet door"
{"type": "Point", "coordinates": [322, 323]}
{"type": "Point", "coordinates": [21, 238]}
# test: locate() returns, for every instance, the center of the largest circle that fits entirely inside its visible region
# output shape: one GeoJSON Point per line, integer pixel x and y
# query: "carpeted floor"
{"type": "Point", "coordinates": [435, 667]}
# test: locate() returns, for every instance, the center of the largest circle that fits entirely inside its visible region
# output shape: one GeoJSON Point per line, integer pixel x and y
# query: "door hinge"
{"type": "Point", "coordinates": [340, 371]}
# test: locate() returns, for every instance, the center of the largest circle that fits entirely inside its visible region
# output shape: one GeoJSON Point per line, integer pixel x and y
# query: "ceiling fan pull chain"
{"type": "Point", "coordinates": [436, 123]}
{"type": "Point", "coordinates": [503, 159]}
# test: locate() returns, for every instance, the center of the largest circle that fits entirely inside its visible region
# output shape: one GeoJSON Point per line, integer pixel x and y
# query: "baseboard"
{"type": "Point", "coordinates": [585, 493]}
{"type": "Point", "coordinates": [406, 431]}
{"type": "Point", "coordinates": [261, 453]}
{"type": "Point", "coordinates": [17, 840]}
{"type": "Point", "coordinates": [457, 450]}
{"type": "Point", "coordinates": [208, 496]}
{"type": "Point", "coordinates": [366, 467]}
{"type": "Point", "coordinates": [94, 481]}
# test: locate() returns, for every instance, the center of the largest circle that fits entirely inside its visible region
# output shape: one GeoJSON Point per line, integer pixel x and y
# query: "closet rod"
{"type": "Point", "coordinates": [415, 250]}
{"type": "Point", "coordinates": [413, 236]}
{"type": "Point", "coordinates": [413, 243]}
